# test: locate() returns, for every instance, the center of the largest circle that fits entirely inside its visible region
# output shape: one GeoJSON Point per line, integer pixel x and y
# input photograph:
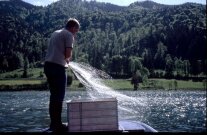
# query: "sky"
{"type": "Point", "coordinates": [120, 2]}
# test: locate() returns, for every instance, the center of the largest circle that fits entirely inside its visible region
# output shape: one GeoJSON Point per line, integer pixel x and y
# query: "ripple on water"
{"type": "Point", "coordinates": [179, 111]}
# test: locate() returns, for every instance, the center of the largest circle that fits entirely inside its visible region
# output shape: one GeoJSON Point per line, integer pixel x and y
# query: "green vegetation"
{"type": "Point", "coordinates": [116, 84]}
{"type": "Point", "coordinates": [154, 40]}
{"type": "Point", "coordinates": [37, 81]}
{"type": "Point", "coordinates": [23, 84]}
{"type": "Point", "coordinates": [175, 84]}
{"type": "Point", "coordinates": [13, 82]}
{"type": "Point", "coordinates": [32, 73]}
{"type": "Point", "coordinates": [144, 36]}
{"type": "Point", "coordinates": [119, 84]}
{"type": "Point", "coordinates": [122, 84]}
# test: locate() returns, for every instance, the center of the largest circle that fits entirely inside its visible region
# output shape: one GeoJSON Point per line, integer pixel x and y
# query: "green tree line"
{"type": "Point", "coordinates": [156, 40]}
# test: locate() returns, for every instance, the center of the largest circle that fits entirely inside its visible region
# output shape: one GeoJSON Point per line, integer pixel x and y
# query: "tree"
{"type": "Point", "coordinates": [160, 55]}
{"type": "Point", "coordinates": [108, 30]}
{"type": "Point", "coordinates": [169, 66]}
{"type": "Point", "coordinates": [175, 84]}
{"type": "Point", "coordinates": [136, 79]}
{"type": "Point", "coordinates": [5, 64]}
{"type": "Point", "coordinates": [186, 67]}
{"type": "Point", "coordinates": [116, 65]}
{"type": "Point", "coordinates": [179, 68]}
{"type": "Point", "coordinates": [26, 66]}
{"type": "Point", "coordinates": [19, 60]}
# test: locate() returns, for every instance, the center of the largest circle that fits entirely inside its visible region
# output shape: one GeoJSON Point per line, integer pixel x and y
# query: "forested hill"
{"type": "Point", "coordinates": [144, 36]}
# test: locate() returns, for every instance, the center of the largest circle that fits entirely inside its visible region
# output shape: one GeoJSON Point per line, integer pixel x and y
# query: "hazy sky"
{"type": "Point", "coordinates": [120, 2]}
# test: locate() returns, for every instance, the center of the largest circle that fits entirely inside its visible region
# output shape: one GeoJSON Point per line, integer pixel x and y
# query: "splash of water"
{"type": "Point", "coordinates": [93, 79]}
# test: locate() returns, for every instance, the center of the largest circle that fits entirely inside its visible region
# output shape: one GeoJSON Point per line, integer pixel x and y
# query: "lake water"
{"type": "Point", "coordinates": [165, 111]}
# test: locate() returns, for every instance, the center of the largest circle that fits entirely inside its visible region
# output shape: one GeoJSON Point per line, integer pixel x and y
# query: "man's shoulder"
{"type": "Point", "coordinates": [65, 32]}
{"type": "Point", "coordinates": [62, 32]}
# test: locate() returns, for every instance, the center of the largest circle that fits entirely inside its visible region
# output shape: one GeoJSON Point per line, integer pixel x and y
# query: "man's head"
{"type": "Point", "coordinates": [73, 25]}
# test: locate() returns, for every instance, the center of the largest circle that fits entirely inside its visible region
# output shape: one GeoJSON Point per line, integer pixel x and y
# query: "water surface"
{"type": "Point", "coordinates": [165, 111]}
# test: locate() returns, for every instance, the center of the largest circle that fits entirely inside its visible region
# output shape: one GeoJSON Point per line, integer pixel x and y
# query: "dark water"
{"type": "Point", "coordinates": [165, 111]}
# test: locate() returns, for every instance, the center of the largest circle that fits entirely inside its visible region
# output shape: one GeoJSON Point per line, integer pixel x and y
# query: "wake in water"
{"type": "Point", "coordinates": [93, 79]}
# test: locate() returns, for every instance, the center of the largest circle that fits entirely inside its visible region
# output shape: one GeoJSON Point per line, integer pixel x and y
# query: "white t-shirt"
{"type": "Point", "coordinates": [59, 41]}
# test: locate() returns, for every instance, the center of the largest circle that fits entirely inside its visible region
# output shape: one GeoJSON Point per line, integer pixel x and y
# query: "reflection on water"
{"type": "Point", "coordinates": [171, 111]}
{"type": "Point", "coordinates": [23, 111]}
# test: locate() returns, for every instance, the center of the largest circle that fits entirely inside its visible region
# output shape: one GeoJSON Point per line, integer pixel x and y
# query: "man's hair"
{"type": "Point", "coordinates": [72, 22]}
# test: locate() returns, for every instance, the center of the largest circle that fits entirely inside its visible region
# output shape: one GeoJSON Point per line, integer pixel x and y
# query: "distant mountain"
{"type": "Point", "coordinates": [17, 3]}
{"type": "Point", "coordinates": [148, 4]}
{"type": "Point", "coordinates": [149, 32]}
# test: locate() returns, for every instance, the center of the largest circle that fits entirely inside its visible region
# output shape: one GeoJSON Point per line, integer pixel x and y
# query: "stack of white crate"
{"type": "Point", "coordinates": [92, 115]}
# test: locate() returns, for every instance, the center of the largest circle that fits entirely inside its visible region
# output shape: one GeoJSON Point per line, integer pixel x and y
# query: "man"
{"type": "Point", "coordinates": [57, 59]}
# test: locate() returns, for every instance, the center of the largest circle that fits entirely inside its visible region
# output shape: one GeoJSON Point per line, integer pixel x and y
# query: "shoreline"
{"type": "Point", "coordinates": [83, 89]}
{"type": "Point", "coordinates": [116, 84]}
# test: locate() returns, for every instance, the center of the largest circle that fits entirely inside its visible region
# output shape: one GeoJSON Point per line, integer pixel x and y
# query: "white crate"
{"type": "Point", "coordinates": [92, 115]}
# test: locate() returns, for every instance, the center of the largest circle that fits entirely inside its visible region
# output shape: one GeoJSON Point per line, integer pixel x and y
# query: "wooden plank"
{"type": "Point", "coordinates": [91, 106]}
{"type": "Point", "coordinates": [92, 100]}
{"type": "Point", "coordinates": [93, 121]}
{"type": "Point", "coordinates": [73, 107]}
{"type": "Point", "coordinates": [99, 105]}
{"type": "Point", "coordinates": [92, 114]}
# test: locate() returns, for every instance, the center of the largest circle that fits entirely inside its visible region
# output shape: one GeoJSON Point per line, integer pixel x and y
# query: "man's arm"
{"type": "Point", "coordinates": [68, 54]}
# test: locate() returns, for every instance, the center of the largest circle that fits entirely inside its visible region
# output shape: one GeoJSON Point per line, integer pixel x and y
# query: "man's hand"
{"type": "Point", "coordinates": [67, 60]}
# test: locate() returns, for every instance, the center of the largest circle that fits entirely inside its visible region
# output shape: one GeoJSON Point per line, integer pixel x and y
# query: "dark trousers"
{"type": "Point", "coordinates": [57, 78]}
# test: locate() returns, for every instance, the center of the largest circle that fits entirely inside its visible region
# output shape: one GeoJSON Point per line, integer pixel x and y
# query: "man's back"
{"type": "Point", "coordinates": [60, 39]}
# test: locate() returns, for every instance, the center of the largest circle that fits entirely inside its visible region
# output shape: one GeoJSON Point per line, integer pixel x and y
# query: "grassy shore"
{"type": "Point", "coordinates": [23, 84]}
{"type": "Point", "coordinates": [167, 84]}
{"type": "Point", "coordinates": [117, 84]}
{"type": "Point", "coordinates": [37, 81]}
